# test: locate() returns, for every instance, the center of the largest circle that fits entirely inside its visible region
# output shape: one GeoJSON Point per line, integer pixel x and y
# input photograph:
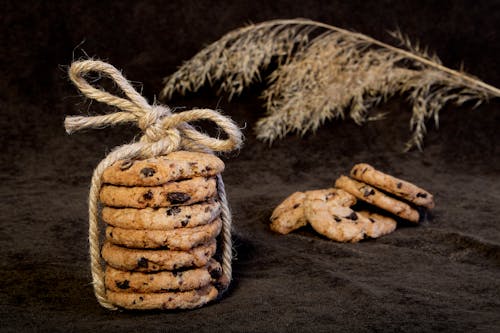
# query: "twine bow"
{"type": "Point", "coordinates": [163, 132]}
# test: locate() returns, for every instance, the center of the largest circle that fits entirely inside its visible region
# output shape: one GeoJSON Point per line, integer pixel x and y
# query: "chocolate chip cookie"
{"type": "Point", "coordinates": [401, 188]}
{"type": "Point", "coordinates": [167, 218]}
{"type": "Point", "coordinates": [142, 260]}
{"type": "Point", "coordinates": [336, 222]}
{"type": "Point", "coordinates": [185, 192]}
{"type": "Point", "coordinates": [165, 300]}
{"type": "Point", "coordinates": [139, 282]}
{"type": "Point", "coordinates": [163, 169]}
{"type": "Point", "coordinates": [175, 239]}
{"type": "Point", "coordinates": [373, 196]}
{"type": "Point", "coordinates": [380, 225]}
{"type": "Point", "coordinates": [289, 215]}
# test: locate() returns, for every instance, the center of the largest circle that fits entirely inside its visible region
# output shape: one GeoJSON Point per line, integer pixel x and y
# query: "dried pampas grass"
{"type": "Point", "coordinates": [326, 72]}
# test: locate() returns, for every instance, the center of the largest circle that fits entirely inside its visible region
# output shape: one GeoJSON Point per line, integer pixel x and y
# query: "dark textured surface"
{"type": "Point", "coordinates": [443, 275]}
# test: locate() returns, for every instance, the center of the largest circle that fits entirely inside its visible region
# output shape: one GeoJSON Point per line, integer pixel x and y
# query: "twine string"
{"type": "Point", "coordinates": [163, 132]}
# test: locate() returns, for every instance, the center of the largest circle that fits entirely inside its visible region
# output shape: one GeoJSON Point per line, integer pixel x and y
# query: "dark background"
{"type": "Point", "coordinates": [443, 275]}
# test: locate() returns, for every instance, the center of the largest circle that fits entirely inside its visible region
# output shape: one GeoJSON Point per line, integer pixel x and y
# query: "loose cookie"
{"type": "Point", "coordinates": [336, 222]}
{"type": "Point", "coordinates": [138, 282]}
{"type": "Point", "coordinates": [156, 260]}
{"type": "Point", "coordinates": [401, 188]}
{"type": "Point", "coordinates": [163, 169]}
{"type": "Point", "coordinates": [380, 225]}
{"type": "Point", "coordinates": [166, 300]}
{"type": "Point", "coordinates": [162, 218]}
{"type": "Point", "coordinates": [373, 196]}
{"type": "Point", "coordinates": [185, 192]}
{"type": "Point", "coordinates": [289, 215]}
{"type": "Point", "coordinates": [176, 239]}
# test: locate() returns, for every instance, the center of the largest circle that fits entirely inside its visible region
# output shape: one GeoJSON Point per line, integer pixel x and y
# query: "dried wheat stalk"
{"type": "Point", "coordinates": [332, 73]}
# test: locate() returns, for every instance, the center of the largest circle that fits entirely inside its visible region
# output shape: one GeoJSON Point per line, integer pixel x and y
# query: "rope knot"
{"type": "Point", "coordinates": [151, 126]}
{"type": "Point", "coordinates": [163, 131]}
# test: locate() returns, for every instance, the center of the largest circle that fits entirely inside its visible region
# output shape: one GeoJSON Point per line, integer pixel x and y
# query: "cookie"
{"type": "Point", "coordinates": [185, 192]}
{"type": "Point", "coordinates": [176, 239]}
{"type": "Point", "coordinates": [167, 218]}
{"type": "Point", "coordinates": [289, 215]}
{"type": "Point", "coordinates": [380, 225]}
{"type": "Point", "coordinates": [401, 188]}
{"type": "Point", "coordinates": [138, 282]}
{"type": "Point", "coordinates": [373, 196]}
{"type": "Point", "coordinates": [163, 169]}
{"type": "Point", "coordinates": [166, 300]}
{"type": "Point", "coordinates": [336, 222]}
{"type": "Point", "coordinates": [156, 260]}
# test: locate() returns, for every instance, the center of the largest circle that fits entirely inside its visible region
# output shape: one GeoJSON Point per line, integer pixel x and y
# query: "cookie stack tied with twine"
{"type": "Point", "coordinates": [164, 202]}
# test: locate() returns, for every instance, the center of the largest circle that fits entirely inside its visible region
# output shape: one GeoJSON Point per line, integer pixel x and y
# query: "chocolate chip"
{"type": "Point", "coordinates": [355, 172]}
{"type": "Point", "coordinates": [353, 216]}
{"type": "Point", "coordinates": [193, 164]}
{"type": "Point", "coordinates": [126, 165]}
{"type": "Point", "coordinates": [421, 195]}
{"type": "Point", "coordinates": [143, 262]}
{"type": "Point", "coordinates": [371, 220]}
{"type": "Point", "coordinates": [399, 185]}
{"type": "Point", "coordinates": [178, 197]}
{"type": "Point", "coordinates": [364, 170]}
{"type": "Point", "coordinates": [148, 172]}
{"type": "Point", "coordinates": [141, 298]}
{"type": "Point", "coordinates": [123, 284]}
{"type": "Point", "coordinates": [216, 273]}
{"type": "Point", "coordinates": [330, 195]}
{"type": "Point", "coordinates": [208, 168]}
{"type": "Point", "coordinates": [148, 195]}
{"type": "Point", "coordinates": [173, 211]}
{"type": "Point", "coordinates": [337, 219]}
{"type": "Point", "coordinates": [296, 205]}
{"type": "Point", "coordinates": [185, 222]}
{"type": "Point", "coordinates": [368, 191]}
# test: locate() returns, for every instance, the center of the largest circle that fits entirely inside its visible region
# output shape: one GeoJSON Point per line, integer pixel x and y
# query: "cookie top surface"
{"type": "Point", "coordinates": [380, 225]}
{"type": "Point", "coordinates": [175, 239]}
{"type": "Point", "coordinates": [289, 214]}
{"type": "Point", "coordinates": [139, 282]}
{"type": "Point", "coordinates": [162, 169]}
{"type": "Point", "coordinates": [339, 223]}
{"type": "Point", "coordinates": [175, 193]}
{"type": "Point", "coordinates": [401, 188]}
{"type": "Point", "coordinates": [377, 198]}
{"type": "Point", "coordinates": [168, 300]}
{"type": "Point", "coordinates": [162, 218]}
{"type": "Point", "coordinates": [142, 260]}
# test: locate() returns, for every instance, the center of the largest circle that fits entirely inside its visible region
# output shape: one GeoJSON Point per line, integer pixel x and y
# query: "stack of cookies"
{"type": "Point", "coordinates": [163, 218]}
{"type": "Point", "coordinates": [331, 213]}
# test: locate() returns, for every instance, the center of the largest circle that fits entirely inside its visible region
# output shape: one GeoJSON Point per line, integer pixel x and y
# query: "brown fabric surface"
{"type": "Point", "coordinates": [443, 275]}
